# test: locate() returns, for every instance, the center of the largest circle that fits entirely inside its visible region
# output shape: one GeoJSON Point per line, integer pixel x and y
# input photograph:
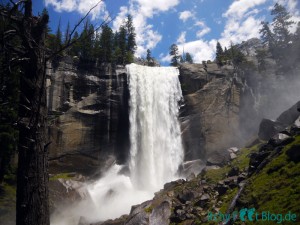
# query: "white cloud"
{"type": "Point", "coordinates": [236, 31]}
{"type": "Point", "coordinates": [242, 22]}
{"type": "Point", "coordinates": [80, 6]}
{"type": "Point", "coordinates": [181, 38]}
{"type": "Point", "coordinates": [239, 7]}
{"type": "Point", "coordinates": [204, 29]}
{"type": "Point", "coordinates": [200, 50]}
{"type": "Point", "coordinates": [150, 7]}
{"type": "Point", "coordinates": [165, 58]}
{"type": "Point", "coordinates": [185, 15]}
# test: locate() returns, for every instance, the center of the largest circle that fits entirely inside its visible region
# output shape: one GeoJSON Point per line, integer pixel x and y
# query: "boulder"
{"type": "Point", "coordinates": [219, 158]}
{"type": "Point", "coordinates": [234, 171]}
{"type": "Point", "coordinates": [192, 167]}
{"type": "Point", "coordinates": [280, 139]}
{"type": "Point", "coordinates": [232, 155]}
{"type": "Point", "coordinates": [139, 214]}
{"type": "Point", "coordinates": [202, 201]}
{"type": "Point", "coordinates": [187, 195]}
{"type": "Point", "coordinates": [289, 116]}
{"type": "Point", "coordinates": [66, 192]}
{"type": "Point", "coordinates": [160, 214]}
{"type": "Point", "coordinates": [268, 128]}
{"type": "Point", "coordinates": [233, 150]}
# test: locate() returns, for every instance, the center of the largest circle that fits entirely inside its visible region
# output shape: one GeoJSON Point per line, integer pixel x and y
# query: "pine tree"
{"type": "Point", "coordinates": [149, 58]}
{"type": "Point", "coordinates": [188, 58]}
{"type": "Point", "coordinates": [175, 56]}
{"type": "Point", "coordinates": [131, 43]}
{"type": "Point", "coordinates": [58, 38]}
{"type": "Point", "coordinates": [219, 54]}
{"type": "Point", "coordinates": [75, 49]}
{"type": "Point", "coordinates": [86, 44]}
{"type": "Point", "coordinates": [122, 45]}
{"type": "Point", "coordinates": [281, 24]}
{"type": "Point", "coordinates": [106, 41]}
{"type": "Point", "coordinates": [267, 36]}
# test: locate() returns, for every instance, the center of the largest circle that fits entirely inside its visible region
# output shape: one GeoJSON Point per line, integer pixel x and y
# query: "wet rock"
{"type": "Point", "coordinates": [139, 215]}
{"type": "Point", "coordinates": [280, 139]}
{"type": "Point", "coordinates": [269, 128]}
{"type": "Point", "coordinates": [160, 215]}
{"type": "Point", "coordinates": [221, 189]}
{"type": "Point", "coordinates": [66, 192]}
{"type": "Point", "coordinates": [232, 155]}
{"type": "Point", "coordinates": [203, 200]}
{"type": "Point", "coordinates": [289, 116]}
{"type": "Point", "coordinates": [233, 150]}
{"type": "Point", "coordinates": [234, 171]}
{"type": "Point", "coordinates": [83, 221]}
{"type": "Point", "coordinates": [173, 184]}
{"type": "Point", "coordinates": [192, 167]}
{"type": "Point", "coordinates": [295, 128]}
{"type": "Point", "coordinates": [187, 195]}
{"type": "Point", "coordinates": [218, 159]}
{"type": "Point", "coordinates": [241, 177]}
{"type": "Point", "coordinates": [256, 159]}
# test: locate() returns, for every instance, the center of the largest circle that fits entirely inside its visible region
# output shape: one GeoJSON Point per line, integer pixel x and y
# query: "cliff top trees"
{"type": "Point", "coordinates": [188, 58]}
{"type": "Point", "coordinates": [280, 40]}
{"type": "Point", "coordinates": [219, 54]}
{"type": "Point", "coordinates": [174, 54]}
{"type": "Point", "coordinates": [106, 46]}
{"type": "Point", "coordinates": [232, 54]}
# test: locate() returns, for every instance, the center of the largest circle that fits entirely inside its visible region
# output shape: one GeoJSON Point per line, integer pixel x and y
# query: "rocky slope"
{"type": "Point", "coordinates": [264, 177]}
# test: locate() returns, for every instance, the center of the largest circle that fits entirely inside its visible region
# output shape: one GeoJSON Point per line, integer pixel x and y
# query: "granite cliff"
{"type": "Point", "coordinates": [88, 117]}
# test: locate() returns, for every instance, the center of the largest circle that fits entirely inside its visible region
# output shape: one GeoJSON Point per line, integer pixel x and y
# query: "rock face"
{"type": "Point", "coordinates": [88, 116]}
{"type": "Point", "coordinates": [210, 117]}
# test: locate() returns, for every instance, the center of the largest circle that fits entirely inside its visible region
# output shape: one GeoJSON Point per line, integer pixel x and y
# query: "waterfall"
{"type": "Point", "coordinates": [155, 153]}
{"type": "Point", "coordinates": [156, 149]}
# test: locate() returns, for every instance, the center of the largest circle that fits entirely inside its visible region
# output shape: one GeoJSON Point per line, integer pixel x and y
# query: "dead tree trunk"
{"type": "Point", "coordinates": [32, 179]}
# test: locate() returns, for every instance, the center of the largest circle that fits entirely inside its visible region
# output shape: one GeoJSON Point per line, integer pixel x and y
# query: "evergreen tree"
{"type": "Point", "coordinates": [149, 58]}
{"type": "Point", "coordinates": [236, 56]}
{"type": "Point", "coordinates": [281, 24]}
{"type": "Point", "coordinates": [174, 54]}
{"type": "Point", "coordinates": [106, 41]}
{"type": "Point", "coordinates": [75, 49]}
{"type": "Point", "coordinates": [267, 36]}
{"type": "Point", "coordinates": [58, 38]}
{"type": "Point", "coordinates": [219, 54]}
{"type": "Point", "coordinates": [181, 59]}
{"type": "Point", "coordinates": [86, 44]}
{"type": "Point", "coordinates": [188, 58]}
{"type": "Point", "coordinates": [131, 43]}
{"type": "Point", "coordinates": [9, 95]}
{"type": "Point", "coordinates": [67, 33]}
{"type": "Point", "coordinates": [122, 45]}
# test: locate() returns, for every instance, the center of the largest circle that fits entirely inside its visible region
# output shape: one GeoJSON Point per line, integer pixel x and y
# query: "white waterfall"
{"type": "Point", "coordinates": [155, 153]}
{"type": "Point", "coordinates": [156, 149]}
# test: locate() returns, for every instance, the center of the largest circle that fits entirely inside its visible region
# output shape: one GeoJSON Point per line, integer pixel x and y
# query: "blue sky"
{"type": "Point", "coordinates": [194, 25]}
